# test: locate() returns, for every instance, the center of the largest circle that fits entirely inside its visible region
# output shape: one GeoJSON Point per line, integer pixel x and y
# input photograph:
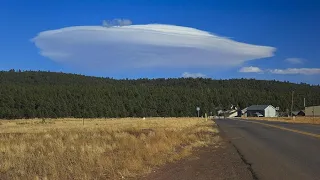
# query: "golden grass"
{"type": "Point", "coordinates": [99, 149]}
{"type": "Point", "coordinates": [299, 119]}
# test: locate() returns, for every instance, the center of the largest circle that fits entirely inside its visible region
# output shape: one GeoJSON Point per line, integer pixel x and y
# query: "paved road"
{"type": "Point", "coordinates": [274, 153]}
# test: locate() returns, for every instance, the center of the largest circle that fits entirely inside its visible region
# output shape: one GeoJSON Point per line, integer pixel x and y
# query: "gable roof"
{"type": "Point", "coordinates": [298, 112]}
{"type": "Point", "coordinates": [244, 110]}
{"type": "Point", "coordinates": [257, 107]}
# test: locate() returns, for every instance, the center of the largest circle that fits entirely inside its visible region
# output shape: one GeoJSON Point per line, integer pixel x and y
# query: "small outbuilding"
{"type": "Point", "coordinates": [261, 111]}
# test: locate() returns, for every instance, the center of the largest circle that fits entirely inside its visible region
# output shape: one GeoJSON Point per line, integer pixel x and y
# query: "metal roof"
{"type": "Point", "coordinates": [257, 107]}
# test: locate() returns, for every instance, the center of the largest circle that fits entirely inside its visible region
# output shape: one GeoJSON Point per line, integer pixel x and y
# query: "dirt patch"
{"type": "Point", "coordinates": [212, 162]}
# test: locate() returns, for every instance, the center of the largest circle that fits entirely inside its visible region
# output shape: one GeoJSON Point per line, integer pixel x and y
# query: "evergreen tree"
{"type": "Point", "coordinates": [29, 94]}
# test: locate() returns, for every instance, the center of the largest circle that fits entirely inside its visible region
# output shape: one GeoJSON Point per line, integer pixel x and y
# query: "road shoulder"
{"type": "Point", "coordinates": [210, 162]}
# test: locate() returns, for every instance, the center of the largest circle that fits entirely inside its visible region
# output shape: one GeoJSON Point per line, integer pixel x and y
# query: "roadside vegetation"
{"type": "Point", "coordinates": [97, 148]}
{"type": "Point", "coordinates": [298, 119]}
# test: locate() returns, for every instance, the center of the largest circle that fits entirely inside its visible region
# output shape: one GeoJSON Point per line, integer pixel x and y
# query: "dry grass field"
{"type": "Point", "coordinates": [99, 149]}
{"type": "Point", "coordinates": [302, 119]}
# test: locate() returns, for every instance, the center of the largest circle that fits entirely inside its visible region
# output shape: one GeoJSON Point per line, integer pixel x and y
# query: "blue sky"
{"type": "Point", "coordinates": [291, 28]}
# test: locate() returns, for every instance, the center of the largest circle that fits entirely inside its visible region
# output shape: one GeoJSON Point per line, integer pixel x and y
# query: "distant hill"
{"type": "Point", "coordinates": [47, 94]}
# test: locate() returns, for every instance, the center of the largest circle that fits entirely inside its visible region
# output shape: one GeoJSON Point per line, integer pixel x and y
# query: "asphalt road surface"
{"type": "Point", "coordinates": [275, 150]}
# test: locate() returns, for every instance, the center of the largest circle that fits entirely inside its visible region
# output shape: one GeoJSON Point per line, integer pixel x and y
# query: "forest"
{"type": "Point", "coordinates": [39, 94]}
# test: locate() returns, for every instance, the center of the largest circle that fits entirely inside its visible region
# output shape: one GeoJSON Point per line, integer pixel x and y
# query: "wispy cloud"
{"type": "Point", "coordinates": [116, 22]}
{"type": "Point", "coordinates": [295, 60]}
{"type": "Point", "coordinates": [303, 71]}
{"type": "Point", "coordinates": [250, 69]}
{"type": "Point", "coordinates": [144, 46]}
{"type": "Point", "coordinates": [193, 75]}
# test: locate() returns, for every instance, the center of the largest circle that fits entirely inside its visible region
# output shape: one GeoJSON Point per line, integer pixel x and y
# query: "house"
{"type": "Point", "coordinates": [233, 113]}
{"type": "Point", "coordinates": [312, 111]}
{"type": "Point", "coordinates": [261, 111]}
{"type": "Point", "coordinates": [243, 112]}
{"type": "Point", "coordinates": [298, 113]}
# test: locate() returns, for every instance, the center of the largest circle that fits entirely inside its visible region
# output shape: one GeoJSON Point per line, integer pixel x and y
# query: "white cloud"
{"type": "Point", "coordinates": [250, 69]}
{"type": "Point", "coordinates": [304, 71]}
{"type": "Point", "coordinates": [144, 46]}
{"type": "Point", "coordinates": [116, 22]}
{"type": "Point", "coordinates": [295, 60]}
{"type": "Point", "coordinates": [193, 75]}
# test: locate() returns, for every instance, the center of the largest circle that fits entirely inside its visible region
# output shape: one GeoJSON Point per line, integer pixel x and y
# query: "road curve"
{"type": "Point", "coordinates": [276, 150]}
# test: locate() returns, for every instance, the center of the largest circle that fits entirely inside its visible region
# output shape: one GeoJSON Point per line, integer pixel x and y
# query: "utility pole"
{"type": "Point", "coordinates": [292, 103]}
{"type": "Point", "coordinates": [313, 115]}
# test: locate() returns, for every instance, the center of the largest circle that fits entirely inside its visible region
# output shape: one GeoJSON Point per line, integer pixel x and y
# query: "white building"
{"type": "Point", "coordinates": [261, 111]}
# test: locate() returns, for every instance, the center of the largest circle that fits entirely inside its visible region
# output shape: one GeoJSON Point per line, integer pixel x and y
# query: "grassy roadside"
{"type": "Point", "coordinates": [303, 119]}
{"type": "Point", "coordinates": [99, 149]}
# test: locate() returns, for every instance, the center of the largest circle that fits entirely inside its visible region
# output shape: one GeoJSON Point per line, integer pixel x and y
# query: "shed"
{"type": "Point", "coordinates": [261, 110]}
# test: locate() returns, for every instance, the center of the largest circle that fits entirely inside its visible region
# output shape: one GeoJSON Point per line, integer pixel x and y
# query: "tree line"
{"type": "Point", "coordinates": [32, 94]}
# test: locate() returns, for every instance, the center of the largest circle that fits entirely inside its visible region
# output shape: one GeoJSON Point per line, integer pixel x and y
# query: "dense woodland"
{"type": "Point", "coordinates": [32, 94]}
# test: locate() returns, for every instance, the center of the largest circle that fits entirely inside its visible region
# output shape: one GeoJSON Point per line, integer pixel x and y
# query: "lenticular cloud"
{"type": "Point", "coordinates": [144, 46]}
